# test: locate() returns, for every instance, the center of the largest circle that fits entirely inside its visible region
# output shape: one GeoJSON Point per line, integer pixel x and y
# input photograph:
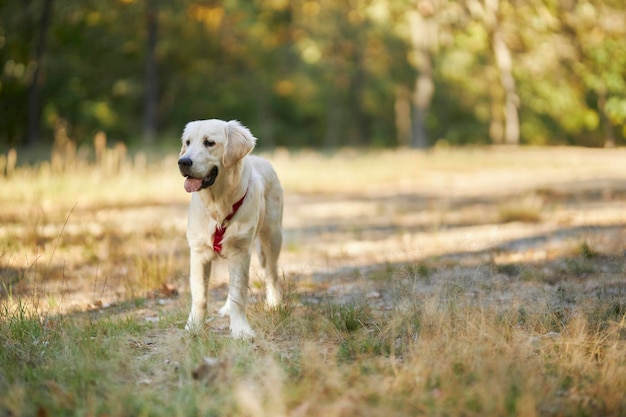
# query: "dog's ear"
{"type": "Point", "coordinates": [239, 143]}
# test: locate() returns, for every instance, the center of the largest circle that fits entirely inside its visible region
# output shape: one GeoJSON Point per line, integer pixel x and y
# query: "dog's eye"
{"type": "Point", "coordinates": [208, 143]}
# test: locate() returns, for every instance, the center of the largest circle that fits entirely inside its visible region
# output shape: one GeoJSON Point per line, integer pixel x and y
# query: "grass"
{"type": "Point", "coordinates": [409, 291]}
{"type": "Point", "coordinates": [438, 357]}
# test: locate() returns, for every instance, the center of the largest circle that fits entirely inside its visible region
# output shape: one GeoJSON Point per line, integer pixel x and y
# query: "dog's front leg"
{"type": "Point", "coordinates": [239, 270]}
{"type": "Point", "coordinates": [199, 273]}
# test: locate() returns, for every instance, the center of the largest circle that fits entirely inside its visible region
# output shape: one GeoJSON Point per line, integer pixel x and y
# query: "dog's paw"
{"type": "Point", "coordinates": [242, 333]}
{"type": "Point", "coordinates": [240, 328]}
{"type": "Point", "coordinates": [193, 325]}
{"type": "Point", "coordinates": [192, 328]}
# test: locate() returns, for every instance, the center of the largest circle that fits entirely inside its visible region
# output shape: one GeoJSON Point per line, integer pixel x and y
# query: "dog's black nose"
{"type": "Point", "coordinates": [185, 162]}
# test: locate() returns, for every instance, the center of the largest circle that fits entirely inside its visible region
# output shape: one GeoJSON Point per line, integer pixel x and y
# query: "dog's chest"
{"type": "Point", "coordinates": [221, 233]}
{"type": "Point", "coordinates": [222, 238]}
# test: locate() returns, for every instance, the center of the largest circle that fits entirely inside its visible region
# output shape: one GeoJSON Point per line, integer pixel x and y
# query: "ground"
{"type": "Point", "coordinates": [433, 272]}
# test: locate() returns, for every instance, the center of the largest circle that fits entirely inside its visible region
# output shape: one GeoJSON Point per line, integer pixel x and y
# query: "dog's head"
{"type": "Point", "coordinates": [210, 148]}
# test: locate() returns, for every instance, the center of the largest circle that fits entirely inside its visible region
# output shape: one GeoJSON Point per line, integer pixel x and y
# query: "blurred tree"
{"type": "Point", "coordinates": [17, 24]}
{"type": "Point", "coordinates": [151, 91]}
{"type": "Point", "coordinates": [504, 63]}
{"type": "Point", "coordinates": [94, 76]}
{"type": "Point", "coordinates": [597, 32]}
{"type": "Point", "coordinates": [37, 61]}
{"type": "Point", "coordinates": [494, 16]}
{"type": "Point", "coordinates": [332, 41]}
{"type": "Point", "coordinates": [317, 72]}
{"type": "Point", "coordinates": [424, 37]}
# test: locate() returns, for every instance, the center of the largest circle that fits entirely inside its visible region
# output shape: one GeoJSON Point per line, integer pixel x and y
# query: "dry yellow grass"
{"type": "Point", "coordinates": [455, 282]}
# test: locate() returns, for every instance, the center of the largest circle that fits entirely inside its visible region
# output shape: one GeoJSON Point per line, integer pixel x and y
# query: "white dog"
{"type": "Point", "coordinates": [236, 199]}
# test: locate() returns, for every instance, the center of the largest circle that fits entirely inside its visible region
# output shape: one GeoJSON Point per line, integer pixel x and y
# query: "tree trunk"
{"type": "Point", "coordinates": [151, 74]}
{"type": "Point", "coordinates": [424, 39]}
{"type": "Point", "coordinates": [496, 125]}
{"type": "Point", "coordinates": [609, 133]}
{"type": "Point", "coordinates": [334, 106]}
{"type": "Point", "coordinates": [422, 97]}
{"type": "Point", "coordinates": [333, 120]}
{"type": "Point", "coordinates": [402, 110]}
{"type": "Point", "coordinates": [358, 128]}
{"type": "Point", "coordinates": [511, 100]}
{"type": "Point", "coordinates": [504, 63]}
{"type": "Point", "coordinates": [34, 89]}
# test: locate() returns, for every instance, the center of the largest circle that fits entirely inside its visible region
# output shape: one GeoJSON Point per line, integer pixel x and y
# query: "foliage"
{"type": "Point", "coordinates": [314, 72]}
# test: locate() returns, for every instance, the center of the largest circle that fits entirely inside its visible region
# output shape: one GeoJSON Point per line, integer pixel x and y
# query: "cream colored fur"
{"type": "Point", "coordinates": [215, 143]}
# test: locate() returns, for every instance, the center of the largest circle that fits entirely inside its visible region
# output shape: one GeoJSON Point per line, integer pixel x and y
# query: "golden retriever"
{"type": "Point", "coordinates": [236, 200]}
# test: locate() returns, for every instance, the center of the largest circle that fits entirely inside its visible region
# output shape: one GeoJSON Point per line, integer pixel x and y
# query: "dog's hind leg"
{"type": "Point", "coordinates": [270, 241]}
{"type": "Point", "coordinates": [239, 269]}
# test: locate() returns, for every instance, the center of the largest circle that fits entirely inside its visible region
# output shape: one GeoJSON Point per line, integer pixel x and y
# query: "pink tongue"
{"type": "Point", "coordinates": [192, 184]}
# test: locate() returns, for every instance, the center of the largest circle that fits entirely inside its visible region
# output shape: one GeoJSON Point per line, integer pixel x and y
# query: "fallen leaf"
{"type": "Point", "coordinates": [169, 290]}
{"type": "Point", "coordinates": [209, 370]}
{"type": "Point", "coordinates": [42, 412]}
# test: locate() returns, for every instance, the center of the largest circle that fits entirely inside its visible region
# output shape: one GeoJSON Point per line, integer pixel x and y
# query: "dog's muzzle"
{"type": "Point", "coordinates": [192, 183]}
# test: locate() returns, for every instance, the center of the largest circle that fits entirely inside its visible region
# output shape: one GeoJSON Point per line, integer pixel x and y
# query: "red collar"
{"type": "Point", "coordinates": [219, 230]}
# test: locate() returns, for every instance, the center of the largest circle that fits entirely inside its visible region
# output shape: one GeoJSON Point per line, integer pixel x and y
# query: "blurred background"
{"type": "Point", "coordinates": [315, 73]}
